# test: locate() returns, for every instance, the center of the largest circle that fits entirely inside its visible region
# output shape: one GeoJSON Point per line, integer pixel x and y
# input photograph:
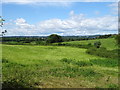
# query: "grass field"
{"type": "Point", "coordinates": [109, 43]}
{"type": "Point", "coordinates": [57, 67]}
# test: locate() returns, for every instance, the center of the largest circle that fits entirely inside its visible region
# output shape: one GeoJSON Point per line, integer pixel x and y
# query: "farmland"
{"type": "Point", "coordinates": [34, 66]}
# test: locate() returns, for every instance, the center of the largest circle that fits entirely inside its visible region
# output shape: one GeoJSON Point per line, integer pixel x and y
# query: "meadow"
{"type": "Point", "coordinates": [34, 66]}
{"type": "Point", "coordinates": [108, 43]}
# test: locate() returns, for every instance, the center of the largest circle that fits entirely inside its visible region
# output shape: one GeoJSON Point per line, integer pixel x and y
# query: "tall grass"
{"type": "Point", "coordinates": [105, 62]}
{"type": "Point", "coordinates": [76, 62]}
{"type": "Point", "coordinates": [74, 72]}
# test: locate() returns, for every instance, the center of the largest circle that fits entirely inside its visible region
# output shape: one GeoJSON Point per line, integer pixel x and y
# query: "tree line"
{"type": "Point", "coordinates": [53, 38]}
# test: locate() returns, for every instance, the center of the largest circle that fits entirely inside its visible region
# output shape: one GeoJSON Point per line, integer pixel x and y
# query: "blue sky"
{"type": "Point", "coordinates": [36, 13]}
{"type": "Point", "coordinates": [67, 18]}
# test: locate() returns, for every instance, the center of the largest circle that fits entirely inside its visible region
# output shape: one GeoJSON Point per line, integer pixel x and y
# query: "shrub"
{"type": "Point", "coordinates": [4, 60]}
{"type": "Point", "coordinates": [103, 52]}
{"type": "Point", "coordinates": [89, 44]}
{"type": "Point", "coordinates": [97, 44]}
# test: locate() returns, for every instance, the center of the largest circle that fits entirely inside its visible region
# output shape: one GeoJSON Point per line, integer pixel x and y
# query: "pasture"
{"type": "Point", "coordinates": [57, 67]}
{"type": "Point", "coordinates": [109, 43]}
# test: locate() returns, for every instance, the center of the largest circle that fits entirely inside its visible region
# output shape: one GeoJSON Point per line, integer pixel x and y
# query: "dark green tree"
{"type": "Point", "coordinates": [54, 38]}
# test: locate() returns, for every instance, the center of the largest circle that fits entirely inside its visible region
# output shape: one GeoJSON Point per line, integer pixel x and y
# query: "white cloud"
{"type": "Point", "coordinates": [76, 24]}
{"type": "Point", "coordinates": [19, 27]}
{"type": "Point", "coordinates": [21, 23]}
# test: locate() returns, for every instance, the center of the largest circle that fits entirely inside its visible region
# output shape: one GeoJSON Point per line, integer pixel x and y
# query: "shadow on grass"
{"type": "Point", "coordinates": [12, 84]}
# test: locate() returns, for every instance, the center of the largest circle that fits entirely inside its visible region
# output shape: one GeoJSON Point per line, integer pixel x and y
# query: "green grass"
{"type": "Point", "coordinates": [105, 62]}
{"type": "Point", "coordinates": [56, 67]}
{"type": "Point", "coordinates": [36, 54]}
{"type": "Point", "coordinates": [109, 43]}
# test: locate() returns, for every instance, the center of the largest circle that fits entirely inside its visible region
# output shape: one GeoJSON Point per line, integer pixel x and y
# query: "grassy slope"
{"type": "Point", "coordinates": [109, 43]}
{"type": "Point", "coordinates": [37, 53]}
{"type": "Point", "coordinates": [42, 66]}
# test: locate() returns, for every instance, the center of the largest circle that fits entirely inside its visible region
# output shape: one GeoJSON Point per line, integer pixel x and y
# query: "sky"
{"type": "Point", "coordinates": [33, 18]}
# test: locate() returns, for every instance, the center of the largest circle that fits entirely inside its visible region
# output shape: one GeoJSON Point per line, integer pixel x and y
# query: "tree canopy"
{"type": "Point", "coordinates": [54, 38]}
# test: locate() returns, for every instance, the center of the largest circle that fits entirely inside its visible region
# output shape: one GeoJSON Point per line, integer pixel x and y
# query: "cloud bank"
{"type": "Point", "coordinates": [76, 24]}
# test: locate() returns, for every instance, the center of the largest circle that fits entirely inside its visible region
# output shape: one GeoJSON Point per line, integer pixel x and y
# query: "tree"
{"type": "Point", "coordinates": [97, 44]}
{"type": "Point", "coordinates": [1, 24]}
{"type": "Point", "coordinates": [54, 38]}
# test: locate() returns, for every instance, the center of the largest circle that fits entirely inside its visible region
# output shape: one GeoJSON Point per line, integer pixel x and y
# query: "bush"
{"type": "Point", "coordinates": [4, 60]}
{"type": "Point", "coordinates": [97, 44]}
{"type": "Point", "coordinates": [89, 44]}
{"type": "Point", "coordinates": [103, 52]}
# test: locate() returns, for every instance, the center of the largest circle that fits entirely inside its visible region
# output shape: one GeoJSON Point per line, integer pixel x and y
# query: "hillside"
{"type": "Point", "coordinates": [56, 67]}
{"type": "Point", "coordinates": [109, 43]}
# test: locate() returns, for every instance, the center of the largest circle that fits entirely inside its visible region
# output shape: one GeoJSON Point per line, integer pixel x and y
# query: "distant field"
{"type": "Point", "coordinates": [57, 67]}
{"type": "Point", "coordinates": [109, 43]}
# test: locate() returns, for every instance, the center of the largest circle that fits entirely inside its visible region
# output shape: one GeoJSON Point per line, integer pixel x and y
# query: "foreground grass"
{"type": "Point", "coordinates": [56, 67]}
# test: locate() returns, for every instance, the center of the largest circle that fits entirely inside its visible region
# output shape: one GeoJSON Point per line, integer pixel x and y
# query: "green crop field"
{"type": "Point", "coordinates": [58, 67]}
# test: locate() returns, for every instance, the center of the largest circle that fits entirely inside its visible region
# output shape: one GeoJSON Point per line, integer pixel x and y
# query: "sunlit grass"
{"type": "Point", "coordinates": [55, 67]}
{"type": "Point", "coordinates": [109, 43]}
